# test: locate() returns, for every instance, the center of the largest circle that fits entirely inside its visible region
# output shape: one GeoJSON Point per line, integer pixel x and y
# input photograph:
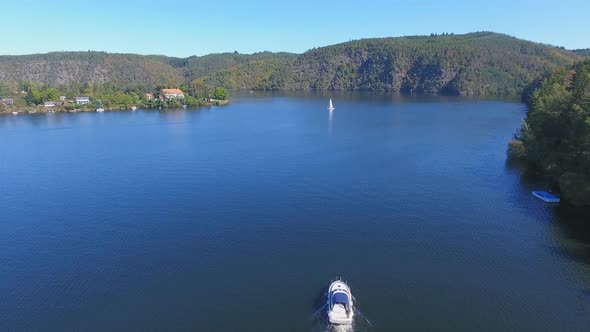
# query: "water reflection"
{"type": "Point", "coordinates": [330, 119]}
{"type": "Point", "coordinates": [571, 225]}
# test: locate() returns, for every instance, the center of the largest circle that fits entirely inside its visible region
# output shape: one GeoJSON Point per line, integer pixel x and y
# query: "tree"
{"type": "Point", "coordinates": [34, 96]}
{"type": "Point", "coordinates": [51, 94]}
{"type": "Point", "coordinates": [220, 93]}
{"type": "Point", "coordinates": [5, 90]}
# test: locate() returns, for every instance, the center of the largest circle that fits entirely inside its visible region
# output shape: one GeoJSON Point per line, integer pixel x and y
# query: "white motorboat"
{"type": "Point", "coordinates": [100, 109]}
{"type": "Point", "coordinates": [340, 310]}
{"type": "Point", "coordinates": [331, 106]}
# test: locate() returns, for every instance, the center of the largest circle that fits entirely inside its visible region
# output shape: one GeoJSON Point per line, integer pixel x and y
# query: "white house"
{"type": "Point", "coordinates": [82, 100]}
{"type": "Point", "coordinates": [62, 98]}
{"type": "Point", "coordinates": [49, 104]}
{"type": "Point", "coordinates": [173, 93]}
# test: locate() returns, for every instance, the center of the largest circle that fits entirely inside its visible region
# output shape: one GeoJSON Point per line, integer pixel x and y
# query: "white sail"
{"type": "Point", "coordinates": [331, 107]}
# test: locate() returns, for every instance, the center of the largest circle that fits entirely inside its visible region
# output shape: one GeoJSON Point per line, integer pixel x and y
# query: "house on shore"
{"type": "Point", "coordinates": [7, 101]}
{"type": "Point", "coordinates": [172, 93]}
{"type": "Point", "coordinates": [49, 104]}
{"type": "Point", "coordinates": [62, 98]}
{"type": "Point", "coordinates": [82, 100]}
{"type": "Point", "coordinates": [149, 96]}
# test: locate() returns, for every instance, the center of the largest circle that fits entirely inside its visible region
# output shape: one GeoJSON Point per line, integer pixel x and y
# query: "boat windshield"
{"type": "Point", "coordinates": [339, 297]}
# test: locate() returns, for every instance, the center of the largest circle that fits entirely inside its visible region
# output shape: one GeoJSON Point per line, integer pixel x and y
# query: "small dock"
{"type": "Point", "coordinates": [546, 197]}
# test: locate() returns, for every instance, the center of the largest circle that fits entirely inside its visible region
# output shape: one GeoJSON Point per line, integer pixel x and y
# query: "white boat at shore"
{"type": "Point", "coordinates": [340, 309]}
{"type": "Point", "coordinates": [100, 109]}
{"type": "Point", "coordinates": [15, 113]}
{"type": "Point", "coordinates": [331, 106]}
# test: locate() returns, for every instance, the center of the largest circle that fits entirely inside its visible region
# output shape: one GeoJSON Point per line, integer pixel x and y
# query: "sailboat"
{"type": "Point", "coordinates": [331, 106]}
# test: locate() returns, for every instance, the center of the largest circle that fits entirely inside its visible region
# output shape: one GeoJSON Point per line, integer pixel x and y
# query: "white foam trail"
{"type": "Point", "coordinates": [342, 328]}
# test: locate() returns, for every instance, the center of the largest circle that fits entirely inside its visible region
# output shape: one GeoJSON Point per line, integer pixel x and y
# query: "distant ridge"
{"type": "Point", "coordinates": [582, 52]}
{"type": "Point", "coordinates": [478, 63]}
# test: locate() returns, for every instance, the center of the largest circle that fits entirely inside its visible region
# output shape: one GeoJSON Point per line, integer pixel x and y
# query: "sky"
{"type": "Point", "coordinates": [183, 28]}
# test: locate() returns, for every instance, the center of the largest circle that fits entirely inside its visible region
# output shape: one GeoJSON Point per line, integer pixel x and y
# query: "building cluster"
{"type": "Point", "coordinates": [166, 94]}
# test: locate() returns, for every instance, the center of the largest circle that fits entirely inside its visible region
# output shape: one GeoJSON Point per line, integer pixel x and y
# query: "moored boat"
{"type": "Point", "coordinates": [100, 109]}
{"type": "Point", "coordinates": [340, 309]}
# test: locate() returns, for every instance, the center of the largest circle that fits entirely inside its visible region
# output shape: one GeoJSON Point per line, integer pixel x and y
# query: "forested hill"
{"type": "Point", "coordinates": [118, 70]}
{"type": "Point", "coordinates": [475, 63]}
{"type": "Point", "coordinates": [583, 52]}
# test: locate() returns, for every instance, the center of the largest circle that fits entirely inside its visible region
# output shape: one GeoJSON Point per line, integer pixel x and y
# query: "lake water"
{"type": "Point", "coordinates": [236, 218]}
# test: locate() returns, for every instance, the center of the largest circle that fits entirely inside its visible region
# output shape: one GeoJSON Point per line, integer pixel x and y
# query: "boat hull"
{"type": "Point", "coordinates": [340, 306]}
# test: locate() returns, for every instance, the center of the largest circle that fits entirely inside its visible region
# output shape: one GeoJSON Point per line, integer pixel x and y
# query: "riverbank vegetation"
{"type": "Point", "coordinates": [554, 140]}
{"type": "Point", "coordinates": [38, 97]}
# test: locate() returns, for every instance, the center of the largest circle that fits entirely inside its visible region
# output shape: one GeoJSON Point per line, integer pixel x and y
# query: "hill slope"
{"type": "Point", "coordinates": [582, 52]}
{"type": "Point", "coordinates": [476, 63]}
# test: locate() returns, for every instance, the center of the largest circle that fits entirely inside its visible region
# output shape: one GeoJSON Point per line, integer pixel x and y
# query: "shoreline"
{"type": "Point", "coordinates": [60, 109]}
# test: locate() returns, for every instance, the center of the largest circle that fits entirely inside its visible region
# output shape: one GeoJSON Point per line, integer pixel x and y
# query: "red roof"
{"type": "Point", "coordinates": [172, 91]}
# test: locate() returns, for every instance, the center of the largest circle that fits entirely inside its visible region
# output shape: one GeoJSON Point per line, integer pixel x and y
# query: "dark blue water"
{"type": "Point", "coordinates": [235, 219]}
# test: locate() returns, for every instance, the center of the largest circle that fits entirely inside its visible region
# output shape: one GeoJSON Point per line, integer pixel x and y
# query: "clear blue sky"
{"type": "Point", "coordinates": [183, 28]}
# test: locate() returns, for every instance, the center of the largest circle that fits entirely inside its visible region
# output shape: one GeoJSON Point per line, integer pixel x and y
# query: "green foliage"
{"type": "Point", "coordinates": [110, 95]}
{"type": "Point", "coordinates": [516, 149]}
{"type": "Point", "coordinates": [220, 94]}
{"type": "Point", "coordinates": [5, 90]}
{"type": "Point", "coordinates": [51, 94]}
{"type": "Point", "coordinates": [555, 137]}
{"type": "Point", "coordinates": [583, 52]}
{"type": "Point", "coordinates": [477, 63]}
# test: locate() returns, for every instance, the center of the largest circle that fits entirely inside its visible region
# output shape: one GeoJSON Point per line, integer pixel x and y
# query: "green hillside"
{"type": "Point", "coordinates": [472, 64]}
{"type": "Point", "coordinates": [582, 52]}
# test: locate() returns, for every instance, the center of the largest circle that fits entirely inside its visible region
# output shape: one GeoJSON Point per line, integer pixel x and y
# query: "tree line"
{"type": "Point", "coordinates": [554, 139]}
{"type": "Point", "coordinates": [29, 93]}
